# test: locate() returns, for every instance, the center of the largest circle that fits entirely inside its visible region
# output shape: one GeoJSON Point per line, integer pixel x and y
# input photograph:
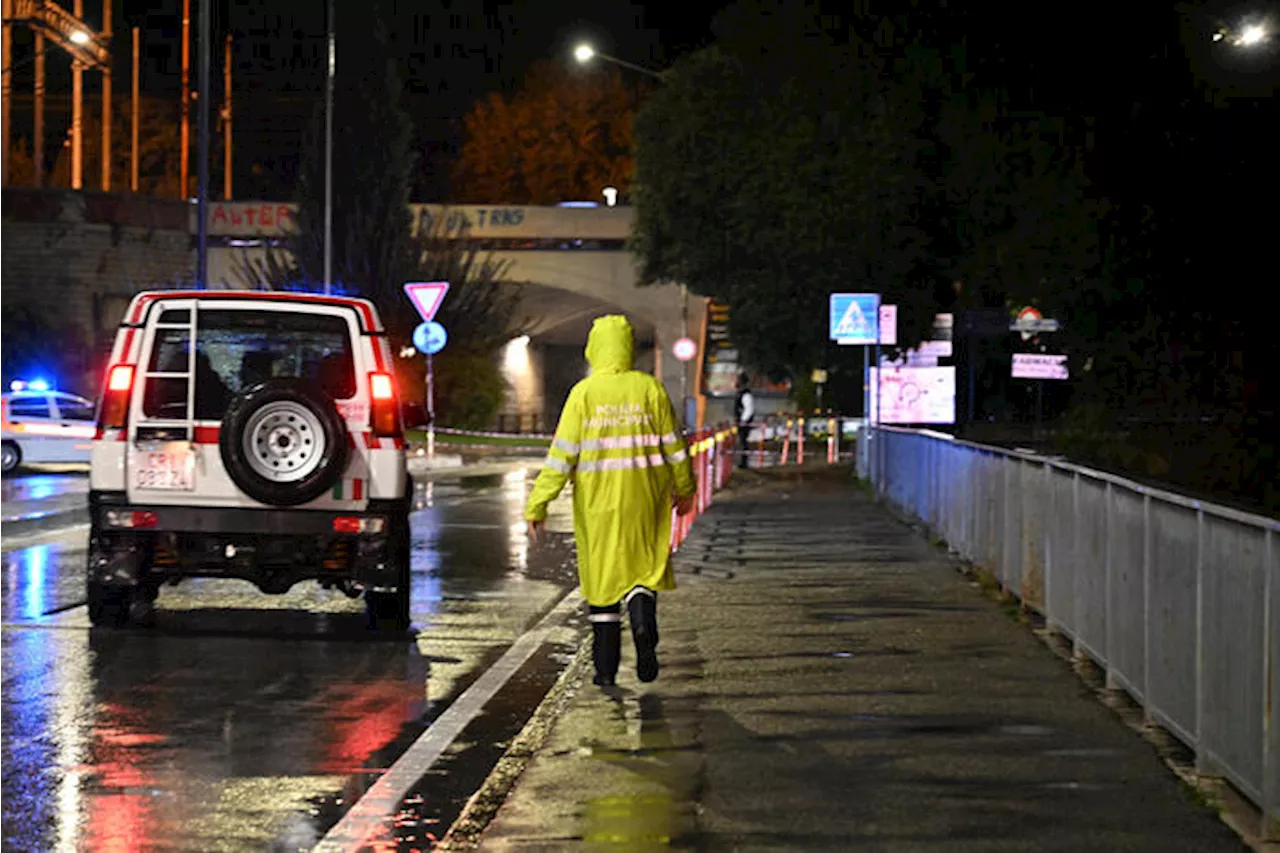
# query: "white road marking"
{"type": "Point", "coordinates": [380, 803]}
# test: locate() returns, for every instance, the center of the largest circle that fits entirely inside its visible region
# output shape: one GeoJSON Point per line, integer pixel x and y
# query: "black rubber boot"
{"type": "Point", "coordinates": [642, 607]}
{"type": "Point", "coordinates": [606, 650]}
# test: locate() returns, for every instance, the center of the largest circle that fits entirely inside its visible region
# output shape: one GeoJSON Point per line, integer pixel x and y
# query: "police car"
{"type": "Point", "coordinates": [40, 425]}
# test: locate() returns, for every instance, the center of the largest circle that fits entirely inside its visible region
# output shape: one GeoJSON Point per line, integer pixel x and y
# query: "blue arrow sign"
{"type": "Point", "coordinates": [430, 337]}
{"type": "Point", "coordinates": [855, 318]}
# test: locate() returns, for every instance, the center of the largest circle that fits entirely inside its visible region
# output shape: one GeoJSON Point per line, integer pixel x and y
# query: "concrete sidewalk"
{"type": "Point", "coordinates": [831, 682]}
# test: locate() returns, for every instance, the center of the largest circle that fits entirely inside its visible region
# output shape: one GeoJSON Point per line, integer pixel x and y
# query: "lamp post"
{"type": "Point", "coordinates": [328, 155]}
{"type": "Point", "coordinates": [202, 149]}
{"type": "Point", "coordinates": [584, 53]}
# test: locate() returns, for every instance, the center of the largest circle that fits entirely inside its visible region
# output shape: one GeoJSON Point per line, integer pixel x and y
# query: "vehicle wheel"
{"type": "Point", "coordinates": [109, 605]}
{"type": "Point", "coordinates": [389, 611]}
{"type": "Point", "coordinates": [10, 456]}
{"type": "Point", "coordinates": [283, 442]}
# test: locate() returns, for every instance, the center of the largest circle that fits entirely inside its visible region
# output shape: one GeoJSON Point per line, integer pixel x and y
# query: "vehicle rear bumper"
{"type": "Point", "coordinates": [135, 543]}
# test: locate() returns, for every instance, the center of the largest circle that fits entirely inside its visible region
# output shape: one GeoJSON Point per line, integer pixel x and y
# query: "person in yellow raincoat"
{"type": "Point", "coordinates": [618, 441]}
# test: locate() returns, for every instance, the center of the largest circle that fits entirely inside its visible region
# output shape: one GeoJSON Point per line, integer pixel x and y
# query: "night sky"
{"type": "Point", "coordinates": [1093, 58]}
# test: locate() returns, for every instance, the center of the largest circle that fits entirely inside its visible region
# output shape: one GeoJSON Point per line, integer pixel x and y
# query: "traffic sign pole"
{"type": "Point", "coordinates": [431, 407]}
{"type": "Point", "coordinates": [429, 337]}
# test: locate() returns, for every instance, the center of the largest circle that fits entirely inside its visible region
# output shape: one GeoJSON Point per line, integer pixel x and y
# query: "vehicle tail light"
{"type": "Point", "coordinates": [384, 414]}
{"type": "Point", "coordinates": [355, 524]}
{"type": "Point", "coordinates": [135, 518]}
{"type": "Point", "coordinates": [115, 401]}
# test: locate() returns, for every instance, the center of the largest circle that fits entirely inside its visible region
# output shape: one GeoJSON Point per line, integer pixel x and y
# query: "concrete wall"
{"type": "Point", "coordinates": [79, 256]}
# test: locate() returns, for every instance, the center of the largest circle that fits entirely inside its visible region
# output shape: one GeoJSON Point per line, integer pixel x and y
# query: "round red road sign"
{"type": "Point", "coordinates": [684, 349]}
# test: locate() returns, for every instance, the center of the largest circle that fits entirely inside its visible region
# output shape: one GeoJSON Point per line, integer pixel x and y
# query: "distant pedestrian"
{"type": "Point", "coordinates": [618, 441]}
{"type": "Point", "coordinates": [744, 409]}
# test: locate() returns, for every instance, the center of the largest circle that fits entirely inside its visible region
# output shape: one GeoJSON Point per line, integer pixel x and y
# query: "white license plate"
{"type": "Point", "coordinates": [173, 467]}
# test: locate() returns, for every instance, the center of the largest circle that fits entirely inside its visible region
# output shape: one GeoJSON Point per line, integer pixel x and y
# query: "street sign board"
{"type": "Point", "coordinates": [855, 318]}
{"type": "Point", "coordinates": [430, 337]}
{"type": "Point", "coordinates": [1031, 321]}
{"type": "Point", "coordinates": [426, 297]}
{"type": "Point", "coordinates": [818, 377]}
{"type": "Point", "coordinates": [1028, 365]}
{"type": "Point", "coordinates": [1030, 327]}
{"type": "Point", "coordinates": [684, 349]}
{"type": "Point", "coordinates": [913, 395]}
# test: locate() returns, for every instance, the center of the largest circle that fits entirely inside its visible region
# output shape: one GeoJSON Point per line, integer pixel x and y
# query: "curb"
{"type": "Point", "coordinates": [467, 830]}
{"type": "Point", "coordinates": [26, 525]}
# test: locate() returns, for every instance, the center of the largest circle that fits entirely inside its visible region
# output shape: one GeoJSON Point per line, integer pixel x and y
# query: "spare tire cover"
{"type": "Point", "coordinates": [283, 442]}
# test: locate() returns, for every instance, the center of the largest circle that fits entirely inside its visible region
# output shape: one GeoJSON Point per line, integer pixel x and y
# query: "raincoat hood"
{"type": "Point", "coordinates": [611, 345]}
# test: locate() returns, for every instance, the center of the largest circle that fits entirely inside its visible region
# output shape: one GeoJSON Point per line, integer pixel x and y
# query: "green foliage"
{"type": "Point", "coordinates": [469, 389]}
{"type": "Point", "coordinates": [784, 164]}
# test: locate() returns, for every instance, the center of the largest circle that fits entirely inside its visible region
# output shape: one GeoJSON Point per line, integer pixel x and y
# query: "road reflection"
{"type": "Point", "coordinates": [247, 721]}
{"type": "Point", "coordinates": [35, 487]}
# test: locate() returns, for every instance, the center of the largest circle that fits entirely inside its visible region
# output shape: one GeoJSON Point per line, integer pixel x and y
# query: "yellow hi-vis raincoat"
{"type": "Point", "coordinates": [618, 441]}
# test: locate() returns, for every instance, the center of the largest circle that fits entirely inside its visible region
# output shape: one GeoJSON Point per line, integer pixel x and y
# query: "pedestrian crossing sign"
{"type": "Point", "coordinates": [855, 318]}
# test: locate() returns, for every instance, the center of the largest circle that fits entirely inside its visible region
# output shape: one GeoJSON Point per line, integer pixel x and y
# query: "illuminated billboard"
{"type": "Point", "coordinates": [913, 395]}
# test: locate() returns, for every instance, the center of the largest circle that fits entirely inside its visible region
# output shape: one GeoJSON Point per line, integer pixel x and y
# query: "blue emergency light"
{"type": "Point", "coordinates": [33, 385]}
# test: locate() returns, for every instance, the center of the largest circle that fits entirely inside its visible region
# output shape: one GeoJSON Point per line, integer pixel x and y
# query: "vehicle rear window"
{"type": "Point", "coordinates": [236, 349]}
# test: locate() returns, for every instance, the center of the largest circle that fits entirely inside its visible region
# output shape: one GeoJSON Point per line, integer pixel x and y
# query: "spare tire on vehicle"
{"type": "Point", "coordinates": [283, 442]}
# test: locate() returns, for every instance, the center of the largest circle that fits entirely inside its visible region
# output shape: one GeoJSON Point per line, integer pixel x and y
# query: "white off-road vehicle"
{"type": "Point", "coordinates": [253, 435]}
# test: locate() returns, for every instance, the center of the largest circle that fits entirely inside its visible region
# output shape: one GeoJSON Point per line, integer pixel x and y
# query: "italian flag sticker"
{"type": "Point", "coordinates": [348, 490]}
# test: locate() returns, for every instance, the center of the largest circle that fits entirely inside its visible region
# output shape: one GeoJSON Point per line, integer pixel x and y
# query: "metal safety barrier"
{"type": "Point", "coordinates": [1177, 599]}
{"type": "Point", "coordinates": [711, 452]}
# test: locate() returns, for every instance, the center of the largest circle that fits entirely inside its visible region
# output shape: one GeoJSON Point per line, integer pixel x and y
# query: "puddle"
{"type": "Point", "coordinates": [432, 806]}
{"type": "Point", "coordinates": [859, 617]}
{"type": "Point", "coordinates": [865, 653]}
{"type": "Point", "coordinates": [1075, 786]}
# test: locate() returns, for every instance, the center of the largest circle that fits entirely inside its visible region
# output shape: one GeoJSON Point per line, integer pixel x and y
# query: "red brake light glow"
{"type": "Point", "coordinates": [380, 386]}
{"type": "Point", "coordinates": [346, 524]}
{"type": "Point", "coordinates": [121, 378]}
{"type": "Point", "coordinates": [115, 402]}
{"type": "Point", "coordinates": [384, 414]}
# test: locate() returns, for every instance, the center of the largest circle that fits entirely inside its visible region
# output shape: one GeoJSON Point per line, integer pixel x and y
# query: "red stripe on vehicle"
{"type": "Point", "coordinates": [126, 351]}
{"type": "Point", "coordinates": [365, 311]}
{"type": "Point", "coordinates": [357, 490]}
{"type": "Point", "coordinates": [351, 441]}
{"type": "Point", "coordinates": [207, 434]}
{"type": "Point", "coordinates": [398, 443]}
{"type": "Point", "coordinates": [370, 440]}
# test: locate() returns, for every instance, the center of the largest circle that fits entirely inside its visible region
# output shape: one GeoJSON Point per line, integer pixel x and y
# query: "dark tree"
{"type": "Point", "coordinates": [375, 249]}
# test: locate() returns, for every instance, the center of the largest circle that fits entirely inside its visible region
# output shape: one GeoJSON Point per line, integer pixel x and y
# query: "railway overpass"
{"type": "Point", "coordinates": [572, 261]}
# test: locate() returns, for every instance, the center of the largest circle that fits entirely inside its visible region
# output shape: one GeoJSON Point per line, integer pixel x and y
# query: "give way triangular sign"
{"type": "Point", "coordinates": [426, 297]}
{"type": "Point", "coordinates": [854, 323]}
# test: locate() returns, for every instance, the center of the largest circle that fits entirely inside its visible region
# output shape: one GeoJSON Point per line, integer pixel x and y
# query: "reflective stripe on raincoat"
{"type": "Point", "coordinates": [619, 443]}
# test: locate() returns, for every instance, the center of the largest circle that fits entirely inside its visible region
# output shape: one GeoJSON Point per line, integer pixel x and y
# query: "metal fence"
{"type": "Point", "coordinates": [1177, 599]}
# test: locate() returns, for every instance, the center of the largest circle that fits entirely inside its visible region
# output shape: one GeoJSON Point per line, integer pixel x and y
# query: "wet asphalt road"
{"type": "Point", "coordinates": [251, 722]}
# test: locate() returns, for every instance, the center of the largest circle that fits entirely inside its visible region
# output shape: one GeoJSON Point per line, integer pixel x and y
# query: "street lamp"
{"type": "Point", "coordinates": [1253, 35]}
{"type": "Point", "coordinates": [79, 37]}
{"type": "Point", "coordinates": [584, 53]}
